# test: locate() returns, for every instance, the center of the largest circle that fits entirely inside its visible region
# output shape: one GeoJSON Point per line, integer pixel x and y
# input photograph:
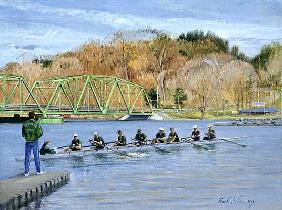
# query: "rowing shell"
{"type": "Point", "coordinates": [115, 149]}
{"type": "Point", "coordinates": [122, 149]}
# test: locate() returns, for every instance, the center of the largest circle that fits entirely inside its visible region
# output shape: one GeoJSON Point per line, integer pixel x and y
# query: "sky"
{"type": "Point", "coordinates": [30, 28]}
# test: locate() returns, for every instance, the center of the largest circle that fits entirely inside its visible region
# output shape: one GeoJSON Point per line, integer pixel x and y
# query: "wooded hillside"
{"type": "Point", "coordinates": [203, 65]}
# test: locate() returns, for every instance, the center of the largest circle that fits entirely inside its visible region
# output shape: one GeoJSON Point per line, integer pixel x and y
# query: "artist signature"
{"type": "Point", "coordinates": [233, 200]}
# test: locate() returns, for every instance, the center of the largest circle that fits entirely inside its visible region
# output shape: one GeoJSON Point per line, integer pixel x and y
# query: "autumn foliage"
{"type": "Point", "coordinates": [202, 64]}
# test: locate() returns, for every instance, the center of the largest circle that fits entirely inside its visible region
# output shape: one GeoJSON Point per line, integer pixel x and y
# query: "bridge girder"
{"type": "Point", "coordinates": [13, 91]}
{"type": "Point", "coordinates": [90, 94]}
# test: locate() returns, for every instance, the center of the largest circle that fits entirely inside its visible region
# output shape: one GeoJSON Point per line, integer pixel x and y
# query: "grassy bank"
{"type": "Point", "coordinates": [218, 116]}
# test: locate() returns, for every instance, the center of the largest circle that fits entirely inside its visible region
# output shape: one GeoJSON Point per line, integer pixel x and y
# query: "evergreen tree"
{"type": "Point", "coordinates": [153, 97]}
{"type": "Point", "coordinates": [179, 96]}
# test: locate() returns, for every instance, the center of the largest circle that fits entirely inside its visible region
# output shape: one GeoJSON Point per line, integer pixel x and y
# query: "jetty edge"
{"type": "Point", "coordinates": [19, 191]}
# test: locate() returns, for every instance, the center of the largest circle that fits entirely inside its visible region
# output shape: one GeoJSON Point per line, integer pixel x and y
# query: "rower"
{"type": "Point", "coordinates": [140, 138]}
{"type": "Point", "coordinates": [160, 136]}
{"type": "Point", "coordinates": [172, 137]}
{"type": "Point", "coordinates": [121, 140]}
{"type": "Point", "coordinates": [45, 149]}
{"type": "Point", "coordinates": [97, 141]}
{"type": "Point", "coordinates": [195, 133]}
{"type": "Point", "coordinates": [210, 135]}
{"type": "Point", "coordinates": [75, 144]}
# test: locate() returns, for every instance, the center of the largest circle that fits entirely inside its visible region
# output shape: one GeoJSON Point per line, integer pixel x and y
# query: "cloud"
{"type": "Point", "coordinates": [45, 27]}
{"type": "Point", "coordinates": [25, 47]}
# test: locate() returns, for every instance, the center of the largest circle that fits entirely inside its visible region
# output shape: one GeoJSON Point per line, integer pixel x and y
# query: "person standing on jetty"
{"type": "Point", "coordinates": [32, 131]}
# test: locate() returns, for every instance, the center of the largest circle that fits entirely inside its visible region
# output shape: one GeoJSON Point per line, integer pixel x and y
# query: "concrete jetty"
{"type": "Point", "coordinates": [19, 191]}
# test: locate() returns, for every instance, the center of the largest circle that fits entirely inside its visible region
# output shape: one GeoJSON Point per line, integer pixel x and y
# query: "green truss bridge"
{"type": "Point", "coordinates": [73, 95]}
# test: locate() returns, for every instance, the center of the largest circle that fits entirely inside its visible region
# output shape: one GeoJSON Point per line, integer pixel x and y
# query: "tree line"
{"type": "Point", "coordinates": [196, 69]}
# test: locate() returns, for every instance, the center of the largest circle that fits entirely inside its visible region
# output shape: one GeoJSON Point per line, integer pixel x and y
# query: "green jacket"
{"type": "Point", "coordinates": [31, 130]}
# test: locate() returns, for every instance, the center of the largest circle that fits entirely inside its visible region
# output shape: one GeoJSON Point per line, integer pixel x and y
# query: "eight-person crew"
{"type": "Point", "coordinates": [160, 136]}
{"type": "Point", "coordinates": [173, 136]}
{"type": "Point", "coordinates": [140, 138]}
{"type": "Point", "coordinates": [76, 143]}
{"type": "Point", "coordinates": [121, 140]}
{"type": "Point", "coordinates": [97, 141]}
{"type": "Point", "coordinates": [210, 135]}
{"type": "Point", "coordinates": [45, 149]}
{"type": "Point", "coordinates": [195, 136]}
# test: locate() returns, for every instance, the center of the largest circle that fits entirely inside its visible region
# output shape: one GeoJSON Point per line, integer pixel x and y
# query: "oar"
{"type": "Point", "coordinates": [108, 148]}
{"type": "Point", "coordinates": [111, 142]}
{"type": "Point", "coordinates": [186, 139]}
{"type": "Point", "coordinates": [224, 139]}
{"type": "Point", "coordinates": [158, 148]}
{"type": "Point", "coordinates": [62, 147]}
{"type": "Point", "coordinates": [197, 145]}
{"type": "Point", "coordinates": [88, 146]}
{"type": "Point", "coordinates": [123, 153]}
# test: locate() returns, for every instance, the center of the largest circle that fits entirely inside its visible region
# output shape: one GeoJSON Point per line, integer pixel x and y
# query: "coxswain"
{"type": "Point", "coordinates": [97, 141]}
{"type": "Point", "coordinates": [45, 149]}
{"type": "Point", "coordinates": [121, 139]}
{"type": "Point", "coordinates": [210, 135]}
{"type": "Point", "coordinates": [195, 136]}
{"type": "Point", "coordinates": [172, 137]}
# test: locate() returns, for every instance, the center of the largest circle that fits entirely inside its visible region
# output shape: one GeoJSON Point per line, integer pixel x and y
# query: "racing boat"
{"type": "Point", "coordinates": [130, 148]}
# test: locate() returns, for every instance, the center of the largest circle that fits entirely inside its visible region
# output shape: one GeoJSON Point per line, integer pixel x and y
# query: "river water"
{"type": "Point", "coordinates": [226, 177]}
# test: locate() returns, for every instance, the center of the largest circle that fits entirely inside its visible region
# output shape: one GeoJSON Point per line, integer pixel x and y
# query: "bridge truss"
{"type": "Point", "coordinates": [89, 94]}
{"type": "Point", "coordinates": [13, 93]}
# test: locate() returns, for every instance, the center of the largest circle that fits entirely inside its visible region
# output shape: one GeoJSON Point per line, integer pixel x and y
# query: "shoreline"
{"type": "Point", "coordinates": [178, 116]}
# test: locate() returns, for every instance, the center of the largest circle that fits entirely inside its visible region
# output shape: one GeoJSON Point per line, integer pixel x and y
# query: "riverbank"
{"type": "Point", "coordinates": [218, 116]}
{"type": "Point", "coordinates": [159, 115]}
